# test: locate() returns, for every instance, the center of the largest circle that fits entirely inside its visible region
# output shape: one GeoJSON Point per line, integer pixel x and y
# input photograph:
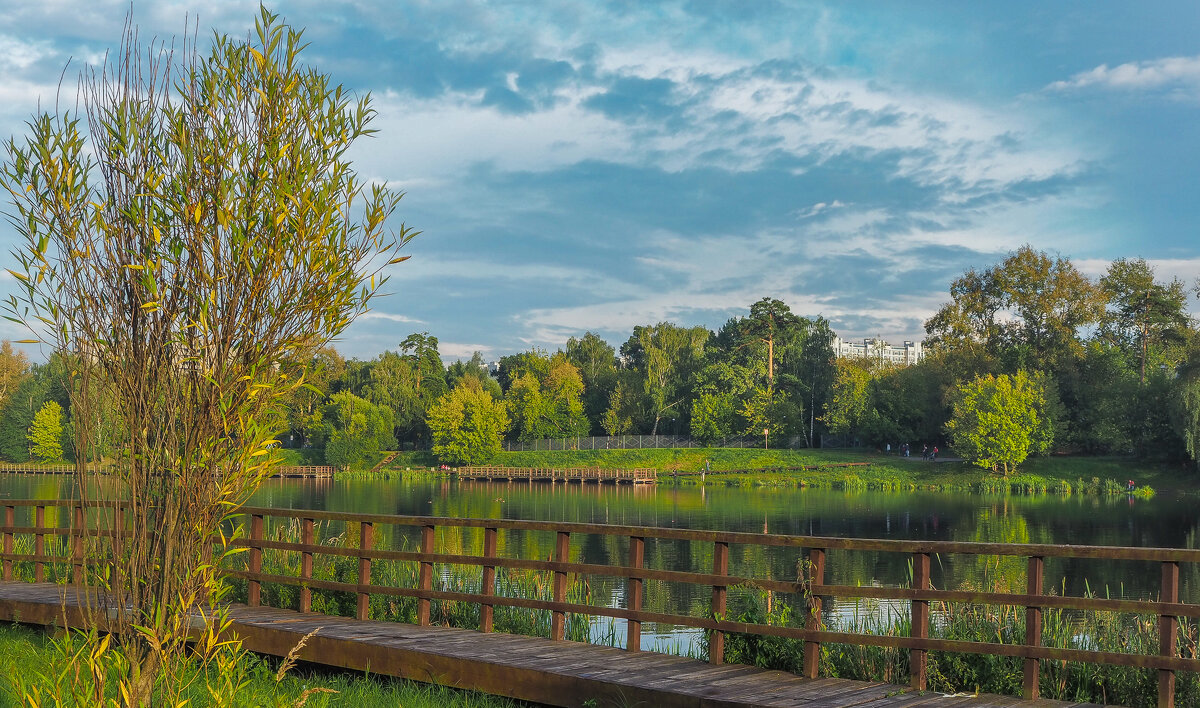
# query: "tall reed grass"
{"type": "Point", "coordinates": [534, 585]}
{"type": "Point", "coordinates": [953, 672]}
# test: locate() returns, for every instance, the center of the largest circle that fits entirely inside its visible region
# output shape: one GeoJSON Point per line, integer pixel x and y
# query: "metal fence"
{"type": "Point", "coordinates": [647, 442]}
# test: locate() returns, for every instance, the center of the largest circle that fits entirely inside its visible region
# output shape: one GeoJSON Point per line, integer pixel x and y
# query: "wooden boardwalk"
{"type": "Point", "coordinates": [528, 668]}
{"type": "Point", "coordinates": [319, 471]}
{"type": "Point", "coordinates": [561, 474]}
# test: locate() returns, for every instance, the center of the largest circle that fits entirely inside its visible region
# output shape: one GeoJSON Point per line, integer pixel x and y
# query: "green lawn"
{"type": "Point", "coordinates": [29, 653]}
{"type": "Point", "coordinates": [752, 467]}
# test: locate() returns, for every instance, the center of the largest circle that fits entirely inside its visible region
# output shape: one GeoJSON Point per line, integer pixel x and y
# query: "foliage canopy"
{"type": "Point", "coordinates": [999, 420]}
{"type": "Point", "coordinates": [467, 424]}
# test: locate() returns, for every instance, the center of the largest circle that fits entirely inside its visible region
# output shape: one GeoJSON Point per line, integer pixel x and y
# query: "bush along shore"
{"type": "Point", "coordinates": [836, 469]}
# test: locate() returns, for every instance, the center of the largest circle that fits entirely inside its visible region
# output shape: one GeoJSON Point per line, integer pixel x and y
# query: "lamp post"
{"type": "Point", "coordinates": [764, 438]}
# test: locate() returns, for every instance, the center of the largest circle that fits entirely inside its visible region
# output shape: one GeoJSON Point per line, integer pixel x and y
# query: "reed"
{"type": "Point", "coordinates": [953, 672]}
{"type": "Point", "coordinates": [510, 582]}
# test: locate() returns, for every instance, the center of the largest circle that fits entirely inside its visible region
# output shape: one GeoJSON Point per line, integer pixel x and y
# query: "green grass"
{"type": "Point", "coordinates": [302, 457]}
{"type": "Point", "coordinates": [29, 652]}
{"type": "Point", "coordinates": [771, 468]}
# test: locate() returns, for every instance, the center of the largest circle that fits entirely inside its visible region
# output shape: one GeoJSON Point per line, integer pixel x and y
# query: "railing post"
{"type": "Point", "coordinates": [812, 623]}
{"type": "Point", "coordinates": [77, 546]}
{"type": "Point", "coordinates": [117, 526]}
{"type": "Point", "coordinates": [253, 585]}
{"type": "Point", "coordinates": [1033, 627]}
{"type": "Point", "coordinates": [637, 557]}
{"type": "Point", "coordinates": [365, 540]}
{"type": "Point", "coordinates": [920, 621]}
{"type": "Point", "coordinates": [10, 520]}
{"type": "Point", "coordinates": [1167, 627]}
{"type": "Point", "coordinates": [425, 576]}
{"type": "Point", "coordinates": [306, 565]}
{"type": "Point", "coordinates": [562, 554]}
{"type": "Point", "coordinates": [489, 579]}
{"type": "Point", "coordinates": [716, 644]}
{"type": "Point", "coordinates": [39, 544]}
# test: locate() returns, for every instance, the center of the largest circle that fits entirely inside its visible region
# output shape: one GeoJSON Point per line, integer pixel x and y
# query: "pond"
{"type": "Point", "coordinates": [1167, 520]}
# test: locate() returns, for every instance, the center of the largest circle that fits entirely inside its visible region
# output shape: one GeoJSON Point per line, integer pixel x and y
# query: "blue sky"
{"type": "Point", "coordinates": [588, 165]}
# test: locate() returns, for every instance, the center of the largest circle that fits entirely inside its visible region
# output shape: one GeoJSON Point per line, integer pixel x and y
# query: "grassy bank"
{"type": "Point", "coordinates": [28, 655]}
{"type": "Point", "coordinates": [783, 468]}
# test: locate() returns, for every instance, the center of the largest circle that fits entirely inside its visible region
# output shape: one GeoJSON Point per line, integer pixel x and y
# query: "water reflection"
{"type": "Point", "coordinates": [1165, 521]}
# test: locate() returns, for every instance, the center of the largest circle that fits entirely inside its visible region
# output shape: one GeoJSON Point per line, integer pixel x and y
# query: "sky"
{"type": "Point", "coordinates": [579, 166]}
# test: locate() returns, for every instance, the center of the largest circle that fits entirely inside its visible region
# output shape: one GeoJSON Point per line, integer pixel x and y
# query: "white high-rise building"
{"type": "Point", "coordinates": [908, 353]}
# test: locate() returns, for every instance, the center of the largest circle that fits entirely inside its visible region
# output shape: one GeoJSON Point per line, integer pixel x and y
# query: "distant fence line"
{"type": "Point", "coordinates": [648, 442]}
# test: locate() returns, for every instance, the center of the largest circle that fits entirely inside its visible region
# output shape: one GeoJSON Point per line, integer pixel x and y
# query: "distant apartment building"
{"type": "Point", "coordinates": [907, 353]}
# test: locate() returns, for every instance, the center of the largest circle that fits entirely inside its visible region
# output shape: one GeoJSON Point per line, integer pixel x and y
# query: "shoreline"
{"type": "Point", "coordinates": [847, 470]}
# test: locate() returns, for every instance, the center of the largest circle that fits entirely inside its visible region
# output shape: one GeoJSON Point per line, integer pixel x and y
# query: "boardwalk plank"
{"type": "Point", "coordinates": [530, 668]}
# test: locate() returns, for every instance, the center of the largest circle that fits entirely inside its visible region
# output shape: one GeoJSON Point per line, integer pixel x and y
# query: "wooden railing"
{"type": "Point", "coordinates": [552, 474]}
{"type": "Point", "coordinates": [305, 471]}
{"type": "Point", "coordinates": [814, 587]}
{"type": "Point", "coordinates": [31, 468]}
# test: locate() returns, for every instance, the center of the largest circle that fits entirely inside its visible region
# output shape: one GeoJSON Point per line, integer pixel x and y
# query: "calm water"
{"type": "Point", "coordinates": [1168, 520]}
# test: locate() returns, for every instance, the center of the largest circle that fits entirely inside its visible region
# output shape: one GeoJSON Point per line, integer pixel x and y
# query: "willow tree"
{"type": "Point", "coordinates": [191, 235]}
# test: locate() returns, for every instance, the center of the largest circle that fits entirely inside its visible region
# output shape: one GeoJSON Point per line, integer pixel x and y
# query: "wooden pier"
{"type": "Point", "coordinates": [560, 474]}
{"type": "Point", "coordinates": [559, 672]}
{"type": "Point", "coordinates": [527, 668]}
{"type": "Point", "coordinates": [319, 471]}
{"type": "Point", "coordinates": [30, 468]}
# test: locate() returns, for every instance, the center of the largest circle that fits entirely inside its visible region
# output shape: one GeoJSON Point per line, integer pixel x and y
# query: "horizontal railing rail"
{"type": "Point", "coordinates": [634, 574]}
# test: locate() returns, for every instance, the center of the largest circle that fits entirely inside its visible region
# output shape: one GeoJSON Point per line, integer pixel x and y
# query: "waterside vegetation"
{"type": "Point", "coordinates": [835, 469]}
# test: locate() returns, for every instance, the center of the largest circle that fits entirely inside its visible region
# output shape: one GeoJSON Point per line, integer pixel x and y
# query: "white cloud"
{"type": "Point", "coordinates": [18, 54]}
{"type": "Point", "coordinates": [1139, 75]}
{"type": "Point", "coordinates": [376, 315]}
{"type": "Point", "coordinates": [457, 350]}
{"type": "Point", "coordinates": [818, 208]}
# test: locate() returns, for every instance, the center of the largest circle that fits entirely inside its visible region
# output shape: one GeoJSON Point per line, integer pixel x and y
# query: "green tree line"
{"type": "Point", "coordinates": [1028, 355]}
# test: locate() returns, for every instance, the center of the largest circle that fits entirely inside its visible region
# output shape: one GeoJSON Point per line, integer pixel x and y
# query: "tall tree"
{"type": "Point", "coordinates": [14, 368]}
{"type": "Point", "coordinates": [548, 406]}
{"type": "Point", "coordinates": [1050, 299]}
{"type": "Point", "coordinates": [666, 356]}
{"type": "Point", "coordinates": [771, 321]}
{"type": "Point", "coordinates": [1144, 315]}
{"type": "Point", "coordinates": [597, 363]}
{"type": "Point", "coordinates": [193, 238]}
{"type": "Point", "coordinates": [421, 350]}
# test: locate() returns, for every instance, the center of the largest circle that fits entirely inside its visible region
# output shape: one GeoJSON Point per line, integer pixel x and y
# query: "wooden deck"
{"type": "Point", "coordinates": [533, 669]}
{"type": "Point", "coordinates": [562, 474]}
{"type": "Point", "coordinates": [319, 471]}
